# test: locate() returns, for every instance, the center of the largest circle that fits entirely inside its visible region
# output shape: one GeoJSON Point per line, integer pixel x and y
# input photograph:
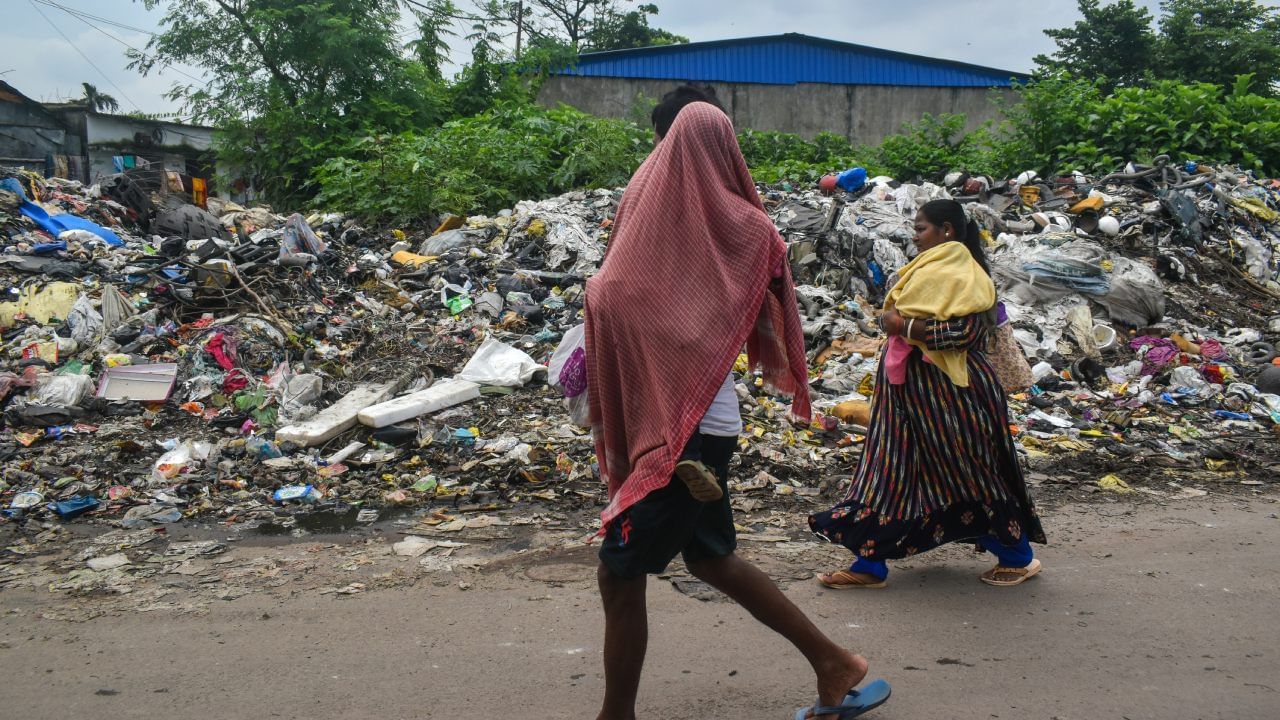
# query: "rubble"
{"type": "Point", "coordinates": [249, 368]}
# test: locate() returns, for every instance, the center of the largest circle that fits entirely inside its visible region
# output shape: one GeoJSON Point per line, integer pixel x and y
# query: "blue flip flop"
{"type": "Point", "coordinates": [871, 696]}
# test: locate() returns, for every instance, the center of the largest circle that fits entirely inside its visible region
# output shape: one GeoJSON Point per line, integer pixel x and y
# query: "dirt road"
{"type": "Point", "coordinates": [1143, 611]}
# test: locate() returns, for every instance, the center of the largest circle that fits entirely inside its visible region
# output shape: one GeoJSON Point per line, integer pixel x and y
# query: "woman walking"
{"type": "Point", "coordinates": [939, 463]}
{"type": "Point", "coordinates": [694, 270]}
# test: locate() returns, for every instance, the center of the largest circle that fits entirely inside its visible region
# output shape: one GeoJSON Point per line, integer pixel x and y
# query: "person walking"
{"type": "Point", "coordinates": [694, 270]}
{"type": "Point", "coordinates": [939, 464]}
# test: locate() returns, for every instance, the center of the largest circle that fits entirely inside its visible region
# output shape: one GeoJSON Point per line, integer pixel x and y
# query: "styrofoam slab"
{"type": "Point", "coordinates": [335, 419]}
{"type": "Point", "coordinates": [446, 393]}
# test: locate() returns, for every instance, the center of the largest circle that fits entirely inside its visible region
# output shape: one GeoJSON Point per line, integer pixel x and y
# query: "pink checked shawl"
{"type": "Point", "coordinates": [686, 282]}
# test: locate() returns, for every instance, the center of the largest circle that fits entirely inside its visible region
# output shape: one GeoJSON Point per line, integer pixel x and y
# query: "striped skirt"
{"type": "Point", "coordinates": [939, 465]}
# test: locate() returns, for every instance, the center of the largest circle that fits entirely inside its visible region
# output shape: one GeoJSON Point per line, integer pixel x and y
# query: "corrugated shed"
{"type": "Point", "coordinates": [787, 60]}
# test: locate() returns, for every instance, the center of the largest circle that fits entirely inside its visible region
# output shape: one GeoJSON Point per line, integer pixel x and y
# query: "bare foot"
{"type": "Point", "coordinates": [837, 677]}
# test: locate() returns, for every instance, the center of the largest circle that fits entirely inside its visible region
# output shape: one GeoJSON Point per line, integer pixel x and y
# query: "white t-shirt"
{"type": "Point", "coordinates": [723, 418]}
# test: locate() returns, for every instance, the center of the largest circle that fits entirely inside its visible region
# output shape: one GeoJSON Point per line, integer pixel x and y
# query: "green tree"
{"type": "Point", "coordinates": [581, 25]}
{"type": "Point", "coordinates": [287, 82]}
{"type": "Point", "coordinates": [1112, 44]}
{"type": "Point", "coordinates": [631, 29]}
{"type": "Point", "coordinates": [431, 48]}
{"type": "Point", "coordinates": [1216, 40]}
{"type": "Point", "coordinates": [97, 100]}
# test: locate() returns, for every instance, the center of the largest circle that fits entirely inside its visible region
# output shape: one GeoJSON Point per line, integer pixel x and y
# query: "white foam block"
{"type": "Point", "coordinates": [446, 393]}
{"type": "Point", "coordinates": [337, 418]}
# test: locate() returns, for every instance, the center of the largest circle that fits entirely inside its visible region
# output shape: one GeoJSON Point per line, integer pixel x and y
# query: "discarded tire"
{"type": "Point", "coordinates": [191, 223]}
{"type": "Point", "coordinates": [1261, 353]}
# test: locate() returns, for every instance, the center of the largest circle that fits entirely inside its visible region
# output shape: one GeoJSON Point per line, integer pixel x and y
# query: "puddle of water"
{"type": "Point", "coordinates": [332, 521]}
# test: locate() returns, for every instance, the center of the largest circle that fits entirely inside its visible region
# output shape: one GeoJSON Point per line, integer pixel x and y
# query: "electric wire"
{"type": "Point", "coordinates": [75, 47]}
{"type": "Point", "coordinates": [98, 18]}
{"type": "Point", "coordinates": [81, 17]}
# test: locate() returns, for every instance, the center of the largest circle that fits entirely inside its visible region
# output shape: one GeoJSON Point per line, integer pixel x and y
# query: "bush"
{"type": "Point", "coordinates": [522, 151]}
{"type": "Point", "coordinates": [479, 164]}
{"type": "Point", "coordinates": [777, 157]}
{"type": "Point", "coordinates": [1066, 123]}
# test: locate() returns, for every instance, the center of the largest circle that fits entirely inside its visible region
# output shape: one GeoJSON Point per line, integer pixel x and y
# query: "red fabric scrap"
{"type": "Point", "coordinates": [223, 350]}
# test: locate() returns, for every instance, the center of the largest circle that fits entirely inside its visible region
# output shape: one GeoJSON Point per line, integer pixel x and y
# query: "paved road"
{"type": "Point", "coordinates": [1143, 611]}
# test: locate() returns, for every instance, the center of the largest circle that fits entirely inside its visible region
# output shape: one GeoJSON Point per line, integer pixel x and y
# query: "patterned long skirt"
{"type": "Point", "coordinates": [939, 465]}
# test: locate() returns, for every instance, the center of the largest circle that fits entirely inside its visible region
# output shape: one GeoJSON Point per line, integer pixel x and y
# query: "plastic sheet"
{"type": "Point", "coordinates": [496, 363]}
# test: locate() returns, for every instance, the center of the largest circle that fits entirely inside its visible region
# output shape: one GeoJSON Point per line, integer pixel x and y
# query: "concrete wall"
{"type": "Point", "coordinates": [31, 137]}
{"type": "Point", "coordinates": [124, 132]}
{"type": "Point", "coordinates": [862, 113]}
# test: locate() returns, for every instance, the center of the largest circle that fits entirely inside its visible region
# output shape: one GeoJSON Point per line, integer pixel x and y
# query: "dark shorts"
{"type": "Point", "coordinates": [668, 522]}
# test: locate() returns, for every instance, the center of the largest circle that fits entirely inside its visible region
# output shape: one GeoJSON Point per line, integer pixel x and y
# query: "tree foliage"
{"type": "Point", "coordinates": [579, 25]}
{"type": "Point", "coordinates": [98, 100]}
{"type": "Point", "coordinates": [286, 80]}
{"type": "Point", "coordinates": [481, 163]}
{"type": "Point", "coordinates": [630, 29]}
{"type": "Point", "coordinates": [1215, 41]}
{"type": "Point", "coordinates": [1212, 41]}
{"type": "Point", "coordinates": [1112, 43]}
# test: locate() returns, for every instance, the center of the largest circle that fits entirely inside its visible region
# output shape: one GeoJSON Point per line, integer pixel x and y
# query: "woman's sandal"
{"type": "Point", "coordinates": [1001, 576]}
{"type": "Point", "coordinates": [845, 580]}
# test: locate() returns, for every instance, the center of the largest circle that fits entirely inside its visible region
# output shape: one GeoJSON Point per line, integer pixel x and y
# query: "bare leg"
{"type": "Point", "coordinates": [626, 636]}
{"type": "Point", "coordinates": [838, 670]}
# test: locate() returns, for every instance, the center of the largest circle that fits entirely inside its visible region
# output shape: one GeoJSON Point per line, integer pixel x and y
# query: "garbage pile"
{"type": "Point", "coordinates": [1147, 303]}
{"type": "Point", "coordinates": [162, 361]}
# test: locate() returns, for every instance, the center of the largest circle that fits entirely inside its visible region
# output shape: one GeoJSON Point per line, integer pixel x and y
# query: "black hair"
{"type": "Point", "coordinates": [939, 212]}
{"type": "Point", "coordinates": [665, 112]}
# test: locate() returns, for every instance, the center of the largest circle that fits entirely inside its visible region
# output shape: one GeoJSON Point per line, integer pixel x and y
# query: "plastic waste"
{"type": "Point", "coordinates": [1188, 378]}
{"type": "Point", "coordinates": [496, 363]}
{"type": "Point", "coordinates": [296, 494]}
{"type": "Point", "coordinates": [74, 506]}
{"type": "Point", "coordinates": [298, 237]}
{"type": "Point", "coordinates": [444, 394]}
{"type": "Point", "coordinates": [62, 390]}
{"type": "Point", "coordinates": [567, 371]}
{"type": "Point", "coordinates": [262, 449]}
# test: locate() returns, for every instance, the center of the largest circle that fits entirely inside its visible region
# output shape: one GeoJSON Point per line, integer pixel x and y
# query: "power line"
{"type": "Point", "coordinates": [86, 57]}
{"type": "Point", "coordinates": [77, 15]}
{"type": "Point", "coordinates": [98, 18]}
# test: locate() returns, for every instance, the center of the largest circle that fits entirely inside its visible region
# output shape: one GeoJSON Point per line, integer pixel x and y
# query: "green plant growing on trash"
{"type": "Point", "coordinates": [482, 163]}
{"type": "Point", "coordinates": [1065, 123]}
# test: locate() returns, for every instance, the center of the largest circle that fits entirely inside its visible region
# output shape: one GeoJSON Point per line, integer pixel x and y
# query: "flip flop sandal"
{"type": "Point", "coordinates": [844, 580]}
{"type": "Point", "coordinates": [1014, 576]}
{"type": "Point", "coordinates": [871, 696]}
{"type": "Point", "coordinates": [703, 486]}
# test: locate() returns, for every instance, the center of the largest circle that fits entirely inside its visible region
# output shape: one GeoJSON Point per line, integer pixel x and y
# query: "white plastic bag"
{"type": "Point", "coordinates": [496, 363]}
{"type": "Point", "coordinates": [61, 390]}
{"type": "Point", "coordinates": [179, 457]}
{"type": "Point", "coordinates": [85, 321]}
{"type": "Point", "coordinates": [568, 371]}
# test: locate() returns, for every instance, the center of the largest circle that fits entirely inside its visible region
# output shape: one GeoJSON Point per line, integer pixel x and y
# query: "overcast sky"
{"type": "Point", "coordinates": [41, 60]}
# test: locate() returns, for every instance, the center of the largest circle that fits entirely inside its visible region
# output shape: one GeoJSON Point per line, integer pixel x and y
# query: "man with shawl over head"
{"type": "Point", "coordinates": [695, 269]}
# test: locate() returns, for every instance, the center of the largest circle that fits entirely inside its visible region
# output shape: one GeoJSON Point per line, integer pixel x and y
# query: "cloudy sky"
{"type": "Point", "coordinates": [49, 52]}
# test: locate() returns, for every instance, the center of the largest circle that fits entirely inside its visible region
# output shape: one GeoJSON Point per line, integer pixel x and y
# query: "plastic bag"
{"type": "Point", "coordinates": [568, 371]}
{"type": "Point", "coordinates": [496, 363]}
{"type": "Point", "coordinates": [1136, 297]}
{"type": "Point", "coordinates": [299, 238]}
{"type": "Point", "coordinates": [172, 462]}
{"type": "Point", "coordinates": [85, 321]}
{"type": "Point", "coordinates": [61, 390]}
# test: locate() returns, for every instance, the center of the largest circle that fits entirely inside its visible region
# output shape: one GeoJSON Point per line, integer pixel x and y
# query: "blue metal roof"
{"type": "Point", "coordinates": [787, 60]}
